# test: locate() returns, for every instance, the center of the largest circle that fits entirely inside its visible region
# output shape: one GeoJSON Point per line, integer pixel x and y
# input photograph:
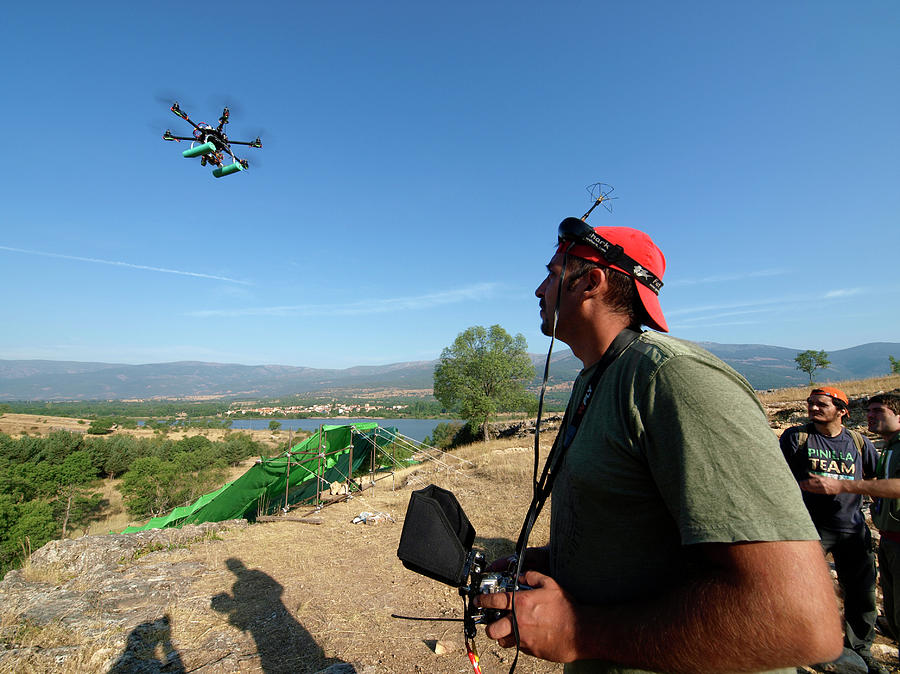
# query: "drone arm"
{"type": "Point", "coordinates": [181, 113]}
{"type": "Point", "coordinates": [223, 120]}
{"type": "Point", "coordinates": [171, 137]}
{"type": "Point", "coordinates": [252, 143]}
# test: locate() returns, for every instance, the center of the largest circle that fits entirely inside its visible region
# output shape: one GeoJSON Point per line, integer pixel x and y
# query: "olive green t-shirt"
{"type": "Point", "coordinates": [886, 511]}
{"type": "Point", "coordinates": [674, 449]}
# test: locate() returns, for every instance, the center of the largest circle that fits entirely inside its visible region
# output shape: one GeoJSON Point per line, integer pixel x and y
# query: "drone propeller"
{"type": "Point", "coordinates": [223, 120]}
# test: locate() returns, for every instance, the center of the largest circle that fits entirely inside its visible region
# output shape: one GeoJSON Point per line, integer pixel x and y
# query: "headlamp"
{"type": "Point", "coordinates": [579, 232]}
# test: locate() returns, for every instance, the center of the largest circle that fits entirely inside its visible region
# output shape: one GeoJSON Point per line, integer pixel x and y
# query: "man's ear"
{"type": "Point", "coordinates": [595, 281]}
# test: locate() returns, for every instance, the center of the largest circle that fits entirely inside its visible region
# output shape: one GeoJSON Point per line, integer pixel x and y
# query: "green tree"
{"type": "Point", "coordinates": [238, 446]}
{"type": "Point", "coordinates": [274, 426]}
{"type": "Point", "coordinates": [113, 455]}
{"type": "Point", "coordinates": [809, 361]}
{"type": "Point", "coordinates": [101, 426]}
{"type": "Point", "coordinates": [23, 527]}
{"type": "Point", "coordinates": [483, 372]}
{"type": "Point", "coordinates": [443, 434]}
{"type": "Point", "coordinates": [72, 476]}
{"type": "Point", "coordinates": [148, 486]}
{"type": "Point", "coordinates": [895, 365]}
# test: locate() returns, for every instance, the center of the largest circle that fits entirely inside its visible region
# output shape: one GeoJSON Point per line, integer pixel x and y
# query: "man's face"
{"type": "Point", "coordinates": [882, 420]}
{"type": "Point", "coordinates": [822, 410]}
{"type": "Point", "coordinates": [547, 293]}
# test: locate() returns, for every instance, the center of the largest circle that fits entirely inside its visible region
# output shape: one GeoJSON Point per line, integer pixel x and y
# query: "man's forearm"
{"type": "Point", "coordinates": [783, 613]}
{"type": "Point", "coordinates": [889, 488]}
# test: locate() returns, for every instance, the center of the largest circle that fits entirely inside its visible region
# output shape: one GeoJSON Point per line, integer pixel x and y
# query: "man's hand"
{"type": "Point", "coordinates": [546, 616]}
{"type": "Point", "coordinates": [823, 485]}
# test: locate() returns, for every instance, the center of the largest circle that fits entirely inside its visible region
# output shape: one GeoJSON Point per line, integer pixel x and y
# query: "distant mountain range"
{"type": "Point", "coordinates": [764, 366]}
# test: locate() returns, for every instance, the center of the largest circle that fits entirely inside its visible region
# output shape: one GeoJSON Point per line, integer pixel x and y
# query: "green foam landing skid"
{"type": "Point", "coordinates": [197, 150]}
{"type": "Point", "coordinates": [227, 170]}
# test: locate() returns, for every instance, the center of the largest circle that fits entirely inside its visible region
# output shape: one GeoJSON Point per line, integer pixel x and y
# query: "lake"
{"type": "Point", "coordinates": [416, 429]}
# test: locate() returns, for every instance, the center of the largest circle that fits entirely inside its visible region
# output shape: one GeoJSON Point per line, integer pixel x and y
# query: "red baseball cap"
{"type": "Point", "coordinates": [831, 392]}
{"type": "Point", "coordinates": [641, 249]}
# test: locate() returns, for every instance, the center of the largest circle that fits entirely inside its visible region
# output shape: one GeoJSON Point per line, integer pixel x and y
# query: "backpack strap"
{"type": "Point", "coordinates": [803, 438]}
{"type": "Point", "coordinates": [858, 440]}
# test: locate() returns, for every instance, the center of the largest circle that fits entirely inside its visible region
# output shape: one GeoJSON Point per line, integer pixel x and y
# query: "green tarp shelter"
{"type": "Point", "coordinates": [294, 477]}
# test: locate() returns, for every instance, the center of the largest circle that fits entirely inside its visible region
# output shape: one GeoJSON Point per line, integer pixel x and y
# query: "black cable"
{"type": "Point", "coordinates": [409, 617]}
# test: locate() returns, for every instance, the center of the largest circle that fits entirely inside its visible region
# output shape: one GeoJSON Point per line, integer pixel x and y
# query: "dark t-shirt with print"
{"type": "Point", "coordinates": [837, 458]}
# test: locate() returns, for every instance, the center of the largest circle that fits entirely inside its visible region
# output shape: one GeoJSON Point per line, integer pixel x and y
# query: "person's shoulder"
{"type": "Point", "coordinates": [662, 361]}
{"type": "Point", "coordinates": [660, 349]}
{"type": "Point", "coordinates": [792, 432]}
{"type": "Point", "coordinates": [666, 345]}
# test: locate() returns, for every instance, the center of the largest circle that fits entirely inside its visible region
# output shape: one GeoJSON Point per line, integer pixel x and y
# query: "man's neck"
{"type": "Point", "coordinates": [596, 342]}
{"type": "Point", "coordinates": [831, 429]}
{"type": "Point", "coordinates": [889, 437]}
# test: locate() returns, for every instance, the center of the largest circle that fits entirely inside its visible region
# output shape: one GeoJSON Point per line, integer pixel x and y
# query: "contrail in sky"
{"type": "Point", "coordinates": [377, 306]}
{"type": "Point", "coordinates": [125, 264]}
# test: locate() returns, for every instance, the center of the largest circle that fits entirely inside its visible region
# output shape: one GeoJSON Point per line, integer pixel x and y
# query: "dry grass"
{"type": "Point", "coordinates": [854, 387]}
{"type": "Point", "coordinates": [39, 425]}
{"type": "Point", "coordinates": [36, 642]}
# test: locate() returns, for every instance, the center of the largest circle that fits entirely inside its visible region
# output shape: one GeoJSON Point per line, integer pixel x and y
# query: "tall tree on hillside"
{"type": "Point", "coordinates": [895, 365]}
{"type": "Point", "coordinates": [809, 361]}
{"type": "Point", "coordinates": [482, 372]}
{"type": "Point", "coordinates": [72, 477]}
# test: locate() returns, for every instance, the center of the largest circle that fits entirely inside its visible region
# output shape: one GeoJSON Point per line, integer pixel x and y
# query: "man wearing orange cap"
{"type": "Point", "coordinates": [883, 416]}
{"type": "Point", "coordinates": [824, 448]}
{"type": "Point", "coordinates": [678, 538]}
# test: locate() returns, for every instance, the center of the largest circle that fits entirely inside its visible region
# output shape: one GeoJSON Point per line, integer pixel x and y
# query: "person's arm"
{"type": "Point", "coordinates": [889, 488]}
{"type": "Point", "coordinates": [756, 606]}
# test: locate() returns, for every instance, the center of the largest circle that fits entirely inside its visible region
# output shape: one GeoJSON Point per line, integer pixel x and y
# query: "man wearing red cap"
{"type": "Point", "coordinates": [824, 448]}
{"type": "Point", "coordinates": [678, 538]}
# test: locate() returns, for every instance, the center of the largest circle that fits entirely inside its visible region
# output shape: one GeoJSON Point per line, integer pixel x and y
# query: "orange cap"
{"type": "Point", "coordinates": [831, 392]}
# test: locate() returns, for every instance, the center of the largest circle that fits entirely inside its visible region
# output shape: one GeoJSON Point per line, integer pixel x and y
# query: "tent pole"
{"type": "Point", "coordinates": [372, 462]}
{"type": "Point", "coordinates": [287, 479]}
{"type": "Point", "coordinates": [350, 465]}
{"type": "Point", "coordinates": [319, 470]}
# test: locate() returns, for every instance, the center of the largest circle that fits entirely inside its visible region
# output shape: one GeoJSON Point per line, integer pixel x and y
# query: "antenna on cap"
{"type": "Point", "coordinates": [600, 194]}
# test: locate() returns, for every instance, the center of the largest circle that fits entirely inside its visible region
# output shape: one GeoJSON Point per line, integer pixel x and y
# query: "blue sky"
{"type": "Point", "coordinates": [417, 159]}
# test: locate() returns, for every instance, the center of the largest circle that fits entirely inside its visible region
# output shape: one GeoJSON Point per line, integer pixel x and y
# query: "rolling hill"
{"type": "Point", "coordinates": [764, 366]}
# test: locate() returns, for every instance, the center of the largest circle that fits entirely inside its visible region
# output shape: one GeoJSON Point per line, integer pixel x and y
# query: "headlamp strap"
{"type": "Point", "coordinates": [578, 231]}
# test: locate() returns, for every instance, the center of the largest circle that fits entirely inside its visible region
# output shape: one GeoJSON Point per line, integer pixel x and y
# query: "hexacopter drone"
{"type": "Point", "coordinates": [211, 144]}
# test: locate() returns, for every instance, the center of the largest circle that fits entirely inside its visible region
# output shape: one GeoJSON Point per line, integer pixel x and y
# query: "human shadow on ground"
{"type": "Point", "coordinates": [145, 642]}
{"type": "Point", "coordinates": [255, 606]}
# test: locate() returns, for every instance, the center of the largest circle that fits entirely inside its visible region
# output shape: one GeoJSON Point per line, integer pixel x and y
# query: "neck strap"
{"type": "Point", "coordinates": [568, 429]}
